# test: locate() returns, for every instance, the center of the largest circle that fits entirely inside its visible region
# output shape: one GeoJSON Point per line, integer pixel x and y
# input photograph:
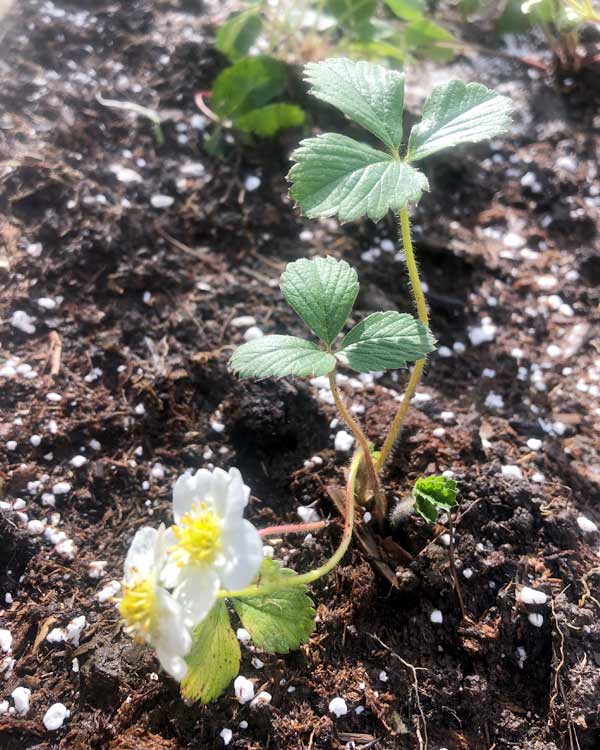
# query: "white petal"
{"type": "Point", "coordinates": [172, 663]}
{"type": "Point", "coordinates": [140, 559]}
{"type": "Point", "coordinates": [190, 489]}
{"type": "Point", "coordinates": [229, 494]}
{"type": "Point", "coordinates": [164, 539]}
{"type": "Point", "coordinates": [243, 549]}
{"type": "Point", "coordinates": [196, 593]}
{"type": "Point", "coordinates": [172, 634]}
{"type": "Point", "coordinates": [235, 475]}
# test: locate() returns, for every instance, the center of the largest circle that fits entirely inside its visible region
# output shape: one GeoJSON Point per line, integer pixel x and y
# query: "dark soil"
{"type": "Point", "coordinates": [147, 297]}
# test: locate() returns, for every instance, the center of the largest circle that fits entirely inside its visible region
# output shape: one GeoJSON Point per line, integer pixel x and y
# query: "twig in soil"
{"type": "Point", "coordinates": [587, 594]}
{"type": "Point", "coordinates": [312, 734]}
{"type": "Point", "coordinates": [421, 738]}
{"type": "Point", "coordinates": [55, 353]}
{"type": "Point", "coordinates": [457, 587]}
{"type": "Point", "coordinates": [459, 518]}
{"type": "Point", "coordinates": [559, 687]}
{"type": "Point", "coordinates": [150, 114]}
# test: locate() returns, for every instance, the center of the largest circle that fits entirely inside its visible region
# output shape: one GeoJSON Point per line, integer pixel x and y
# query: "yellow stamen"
{"type": "Point", "coordinates": [198, 533]}
{"type": "Point", "coordinates": [138, 607]}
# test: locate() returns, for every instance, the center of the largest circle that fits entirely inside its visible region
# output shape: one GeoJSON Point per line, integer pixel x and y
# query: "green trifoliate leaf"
{"type": "Point", "coordinates": [214, 659]}
{"type": "Point", "coordinates": [322, 292]}
{"type": "Point", "coordinates": [369, 94]}
{"type": "Point", "coordinates": [279, 356]}
{"type": "Point", "coordinates": [282, 620]}
{"type": "Point", "coordinates": [268, 120]}
{"type": "Point", "coordinates": [237, 35]}
{"type": "Point", "coordinates": [247, 85]}
{"type": "Point", "coordinates": [458, 113]}
{"type": "Point", "coordinates": [338, 176]}
{"type": "Point", "coordinates": [433, 495]}
{"type": "Point", "coordinates": [385, 341]}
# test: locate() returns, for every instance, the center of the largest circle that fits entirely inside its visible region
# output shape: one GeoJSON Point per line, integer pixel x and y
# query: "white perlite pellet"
{"type": "Point", "coordinates": [5, 640]}
{"type": "Point", "coordinates": [244, 689]}
{"type": "Point", "coordinates": [510, 471]}
{"type": "Point", "coordinates": [531, 596]}
{"type": "Point", "coordinates": [21, 696]}
{"type": "Point", "coordinates": [161, 201]}
{"type": "Point", "coordinates": [436, 617]}
{"type": "Point", "coordinates": [226, 735]}
{"type": "Point", "coordinates": [243, 636]}
{"type": "Point", "coordinates": [251, 183]}
{"type": "Point", "coordinates": [55, 717]}
{"type": "Point", "coordinates": [308, 514]}
{"type": "Point", "coordinates": [343, 441]}
{"type": "Point", "coordinates": [586, 525]}
{"type": "Point", "coordinates": [338, 707]}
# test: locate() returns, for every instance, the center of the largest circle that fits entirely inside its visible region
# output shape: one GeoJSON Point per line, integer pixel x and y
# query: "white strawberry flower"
{"type": "Point", "coordinates": [151, 614]}
{"type": "Point", "coordinates": [213, 545]}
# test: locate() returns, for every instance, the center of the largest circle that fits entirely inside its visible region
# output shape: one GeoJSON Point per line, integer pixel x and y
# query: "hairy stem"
{"type": "Point", "coordinates": [292, 528]}
{"type": "Point", "coordinates": [421, 304]}
{"type": "Point", "coordinates": [361, 439]}
{"type": "Point", "coordinates": [312, 575]}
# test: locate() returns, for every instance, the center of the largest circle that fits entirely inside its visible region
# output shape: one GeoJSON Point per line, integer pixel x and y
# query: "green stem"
{"type": "Point", "coordinates": [313, 575]}
{"type": "Point", "coordinates": [361, 439]}
{"type": "Point", "coordinates": [421, 304]}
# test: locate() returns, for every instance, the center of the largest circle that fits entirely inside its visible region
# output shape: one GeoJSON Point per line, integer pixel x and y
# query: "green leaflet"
{"type": "Point", "coordinates": [322, 292]}
{"type": "Point", "coordinates": [385, 340]}
{"type": "Point", "coordinates": [409, 10]}
{"type": "Point", "coordinates": [268, 120]}
{"type": "Point", "coordinates": [280, 621]}
{"type": "Point", "coordinates": [434, 495]}
{"type": "Point", "coordinates": [279, 356]}
{"type": "Point", "coordinates": [214, 659]}
{"type": "Point", "coordinates": [237, 35]}
{"type": "Point", "coordinates": [337, 176]}
{"type": "Point", "coordinates": [351, 13]}
{"type": "Point", "coordinates": [458, 113]}
{"type": "Point", "coordinates": [369, 94]}
{"type": "Point", "coordinates": [425, 38]}
{"type": "Point", "coordinates": [248, 84]}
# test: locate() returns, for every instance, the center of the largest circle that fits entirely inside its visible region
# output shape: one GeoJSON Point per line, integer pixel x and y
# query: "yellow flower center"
{"type": "Point", "coordinates": [139, 608]}
{"type": "Point", "coordinates": [198, 533]}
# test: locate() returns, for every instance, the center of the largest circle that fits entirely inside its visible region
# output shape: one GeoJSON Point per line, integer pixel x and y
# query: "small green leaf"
{"type": "Point", "coordinates": [458, 113]}
{"type": "Point", "coordinates": [282, 620]}
{"type": "Point", "coordinates": [351, 12]}
{"type": "Point", "coordinates": [336, 175]}
{"type": "Point", "coordinates": [279, 356]}
{"type": "Point", "coordinates": [425, 38]}
{"type": "Point", "coordinates": [247, 85]}
{"type": "Point", "coordinates": [322, 292]}
{"type": "Point", "coordinates": [268, 120]}
{"type": "Point", "coordinates": [237, 35]}
{"type": "Point", "coordinates": [434, 495]}
{"type": "Point", "coordinates": [214, 659]}
{"type": "Point", "coordinates": [407, 10]}
{"type": "Point", "coordinates": [385, 341]}
{"type": "Point", "coordinates": [369, 94]}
